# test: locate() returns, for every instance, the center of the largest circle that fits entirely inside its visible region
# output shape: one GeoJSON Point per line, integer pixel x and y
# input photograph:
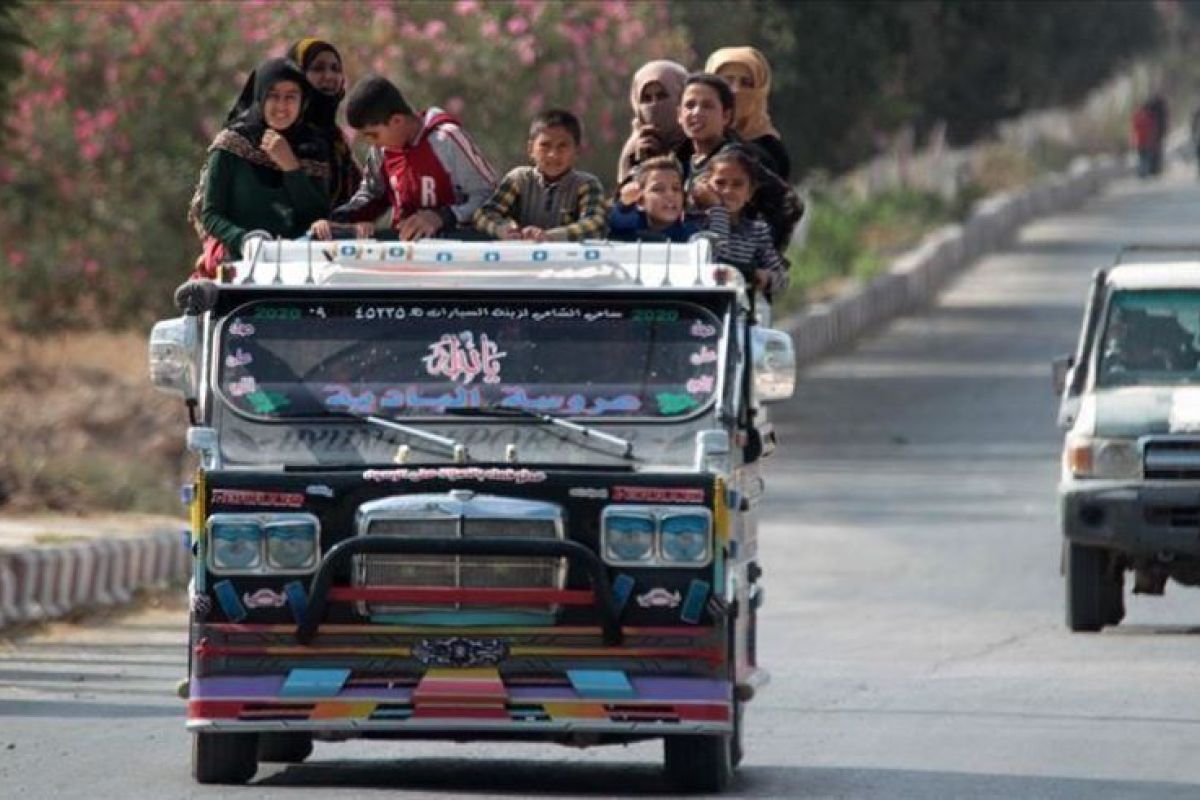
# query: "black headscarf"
{"type": "Point", "coordinates": [322, 108]}
{"type": "Point", "coordinates": [249, 124]}
{"type": "Point", "coordinates": [321, 112]}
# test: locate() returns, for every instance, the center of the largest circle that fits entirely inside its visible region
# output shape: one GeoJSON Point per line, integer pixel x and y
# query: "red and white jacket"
{"type": "Point", "coordinates": [442, 170]}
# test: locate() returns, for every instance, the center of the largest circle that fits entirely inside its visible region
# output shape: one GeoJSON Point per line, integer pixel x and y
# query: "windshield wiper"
{"type": "Point", "coordinates": [456, 447]}
{"type": "Point", "coordinates": [549, 419]}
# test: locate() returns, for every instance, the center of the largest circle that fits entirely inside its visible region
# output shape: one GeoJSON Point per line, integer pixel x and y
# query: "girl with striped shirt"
{"type": "Point", "coordinates": [727, 187]}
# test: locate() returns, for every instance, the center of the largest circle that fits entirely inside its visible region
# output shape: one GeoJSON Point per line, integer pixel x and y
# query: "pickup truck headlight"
{"type": "Point", "coordinates": [263, 543]}
{"type": "Point", "coordinates": [1103, 458]}
{"type": "Point", "coordinates": [628, 537]}
{"type": "Point", "coordinates": [685, 537]}
{"type": "Point", "coordinates": [236, 543]}
{"type": "Point", "coordinates": [656, 536]}
{"type": "Point", "coordinates": [292, 543]}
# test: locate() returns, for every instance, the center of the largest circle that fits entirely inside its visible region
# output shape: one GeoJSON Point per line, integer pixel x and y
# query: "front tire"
{"type": "Point", "coordinates": [284, 748]}
{"type": "Point", "coordinates": [1095, 589]}
{"type": "Point", "coordinates": [700, 764]}
{"type": "Point", "coordinates": [737, 742]}
{"type": "Point", "coordinates": [224, 758]}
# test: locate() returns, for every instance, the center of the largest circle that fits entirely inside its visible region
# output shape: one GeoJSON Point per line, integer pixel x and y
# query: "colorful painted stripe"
{"type": "Point", "coordinates": [401, 712]}
{"type": "Point", "coordinates": [684, 631]}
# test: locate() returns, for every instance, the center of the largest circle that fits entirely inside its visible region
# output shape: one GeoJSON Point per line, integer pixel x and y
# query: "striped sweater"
{"type": "Point", "coordinates": [746, 244]}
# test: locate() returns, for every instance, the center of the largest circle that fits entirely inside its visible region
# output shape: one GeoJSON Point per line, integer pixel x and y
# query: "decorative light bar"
{"type": "Point", "coordinates": [446, 263]}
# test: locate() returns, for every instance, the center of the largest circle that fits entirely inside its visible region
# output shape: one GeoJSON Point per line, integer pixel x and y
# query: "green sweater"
{"type": "Point", "coordinates": [240, 197]}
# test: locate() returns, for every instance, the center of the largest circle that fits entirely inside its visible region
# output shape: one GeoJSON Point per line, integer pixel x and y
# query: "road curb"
{"type": "Point", "coordinates": [44, 583]}
{"type": "Point", "coordinates": [916, 277]}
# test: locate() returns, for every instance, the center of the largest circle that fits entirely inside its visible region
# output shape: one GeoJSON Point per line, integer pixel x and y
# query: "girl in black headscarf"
{"type": "Point", "coordinates": [322, 65]}
{"type": "Point", "coordinates": [267, 169]}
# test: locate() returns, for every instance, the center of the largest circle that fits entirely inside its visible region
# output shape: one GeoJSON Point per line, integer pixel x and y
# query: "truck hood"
{"type": "Point", "coordinates": [1132, 411]}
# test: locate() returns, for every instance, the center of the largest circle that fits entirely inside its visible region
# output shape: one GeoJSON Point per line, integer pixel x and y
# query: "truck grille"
{"type": "Point", "coordinates": [1172, 458]}
{"type": "Point", "coordinates": [1174, 516]}
{"type": "Point", "coordinates": [469, 518]}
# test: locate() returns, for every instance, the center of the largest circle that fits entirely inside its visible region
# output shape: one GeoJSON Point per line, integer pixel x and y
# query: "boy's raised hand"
{"type": "Point", "coordinates": [420, 225]}
{"type": "Point", "coordinates": [703, 194]}
{"type": "Point", "coordinates": [630, 193]}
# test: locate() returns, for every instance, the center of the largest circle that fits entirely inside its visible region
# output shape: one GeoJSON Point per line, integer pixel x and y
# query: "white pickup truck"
{"type": "Point", "coordinates": [1130, 406]}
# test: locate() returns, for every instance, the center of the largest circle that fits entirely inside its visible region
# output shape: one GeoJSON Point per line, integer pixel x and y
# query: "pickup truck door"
{"type": "Point", "coordinates": [1079, 363]}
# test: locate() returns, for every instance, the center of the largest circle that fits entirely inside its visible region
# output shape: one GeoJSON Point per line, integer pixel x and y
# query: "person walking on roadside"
{"type": "Point", "coordinates": [1143, 134]}
{"type": "Point", "coordinates": [1158, 109]}
{"type": "Point", "coordinates": [1196, 138]}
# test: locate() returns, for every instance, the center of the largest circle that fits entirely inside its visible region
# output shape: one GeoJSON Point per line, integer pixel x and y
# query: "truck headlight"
{"type": "Point", "coordinates": [1103, 458]}
{"type": "Point", "coordinates": [628, 536]}
{"type": "Point", "coordinates": [656, 536]}
{"type": "Point", "coordinates": [263, 543]}
{"type": "Point", "coordinates": [292, 543]}
{"type": "Point", "coordinates": [684, 538]}
{"type": "Point", "coordinates": [236, 543]}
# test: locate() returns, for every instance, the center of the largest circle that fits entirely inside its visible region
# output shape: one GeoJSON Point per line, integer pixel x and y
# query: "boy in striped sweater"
{"type": "Point", "coordinates": [422, 164]}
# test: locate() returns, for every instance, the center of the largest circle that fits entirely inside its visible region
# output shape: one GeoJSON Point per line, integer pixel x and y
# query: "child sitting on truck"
{"type": "Point", "coordinates": [550, 201]}
{"type": "Point", "coordinates": [422, 163]}
{"type": "Point", "coordinates": [726, 188]}
{"type": "Point", "coordinates": [651, 207]}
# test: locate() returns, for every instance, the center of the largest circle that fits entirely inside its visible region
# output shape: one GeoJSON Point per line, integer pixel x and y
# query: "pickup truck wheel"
{"type": "Point", "coordinates": [226, 758]}
{"type": "Point", "coordinates": [284, 748]}
{"type": "Point", "coordinates": [1094, 592]}
{"type": "Point", "coordinates": [699, 764]}
{"type": "Point", "coordinates": [1116, 597]}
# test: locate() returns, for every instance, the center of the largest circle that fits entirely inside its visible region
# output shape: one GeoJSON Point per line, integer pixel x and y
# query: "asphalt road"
{"type": "Point", "coordinates": [913, 623]}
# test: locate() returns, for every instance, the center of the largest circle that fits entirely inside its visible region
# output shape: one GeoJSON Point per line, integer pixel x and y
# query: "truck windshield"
{"type": "Point", "coordinates": [301, 359]}
{"type": "Point", "coordinates": [1150, 338]}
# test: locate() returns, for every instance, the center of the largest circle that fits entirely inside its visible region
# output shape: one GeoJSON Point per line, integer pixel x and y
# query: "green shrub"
{"type": "Point", "coordinates": [119, 100]}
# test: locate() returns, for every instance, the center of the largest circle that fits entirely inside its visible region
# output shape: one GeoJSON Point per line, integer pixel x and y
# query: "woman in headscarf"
{"type": "Point", "coordinates": [654, 94]}
{"type": "Point", "coordinates": [322, 65]}
{"type": "Point", "coordinates": [748, 74]}
{"type": "Point", "coordinates": [267, 169]}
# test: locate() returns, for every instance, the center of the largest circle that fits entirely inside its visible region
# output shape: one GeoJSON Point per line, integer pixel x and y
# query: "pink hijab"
{"type": "Point", "coordinates": [661, 116]}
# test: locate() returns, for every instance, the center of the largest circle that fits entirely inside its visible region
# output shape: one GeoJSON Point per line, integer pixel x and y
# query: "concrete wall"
{"type": "Point", "coordinates": [915, 278]}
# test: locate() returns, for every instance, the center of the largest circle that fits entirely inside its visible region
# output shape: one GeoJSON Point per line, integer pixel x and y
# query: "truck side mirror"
{"type": "Point", "coordinates": [175, 356]}
{"type": "Point", "coordinates": [774, 364]}
{"type": "Point", "coordinates": [1060, 369]}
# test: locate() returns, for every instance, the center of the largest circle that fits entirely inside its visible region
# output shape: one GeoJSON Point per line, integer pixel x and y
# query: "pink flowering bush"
{"type": "Point", "coordinates": [118, 101]}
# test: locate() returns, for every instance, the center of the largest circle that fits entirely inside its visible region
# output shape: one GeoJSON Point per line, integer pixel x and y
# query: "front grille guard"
{"type": "Point", "coordinates": [335, 560]}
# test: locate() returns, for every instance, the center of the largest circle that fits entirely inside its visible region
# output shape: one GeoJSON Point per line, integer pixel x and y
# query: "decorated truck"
{"type": "Point", "coordinates": [473, 491]}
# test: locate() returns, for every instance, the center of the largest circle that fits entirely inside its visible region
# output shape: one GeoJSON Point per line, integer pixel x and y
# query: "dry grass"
{"type": "Point", "coordinates": [82, 429]}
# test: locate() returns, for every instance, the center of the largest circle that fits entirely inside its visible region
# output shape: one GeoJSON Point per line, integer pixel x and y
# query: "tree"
{"type": "Point", "coordinates": [847, 71]}
{"type": "Point", "coordinates": [119, 100]}
{"type": "Point", "coordinates": [11, 45]}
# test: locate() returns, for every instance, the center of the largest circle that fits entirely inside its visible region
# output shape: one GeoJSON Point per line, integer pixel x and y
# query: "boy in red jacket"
{"type": "Point", "coordinates": [421, 163]}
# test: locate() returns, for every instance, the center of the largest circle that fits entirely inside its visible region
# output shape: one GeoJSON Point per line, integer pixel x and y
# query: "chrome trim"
{"type": "Point", "coordinates": [456, 506]}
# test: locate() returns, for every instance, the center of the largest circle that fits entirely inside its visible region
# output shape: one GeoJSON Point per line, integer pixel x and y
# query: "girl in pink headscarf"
{"type": "Point", "coordinates": [654, 94]}
{"type": "Point", "coordinates": [748, 74]}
